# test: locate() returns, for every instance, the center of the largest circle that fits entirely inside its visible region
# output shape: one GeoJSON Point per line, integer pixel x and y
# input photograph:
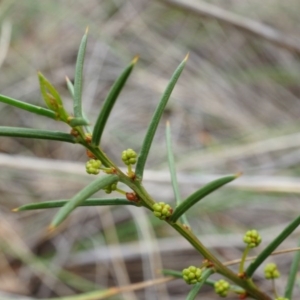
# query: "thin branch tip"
{"type": "Point", "coordinates": [135, 59]}
{"type": "Point", "coordinates": [187, 56]}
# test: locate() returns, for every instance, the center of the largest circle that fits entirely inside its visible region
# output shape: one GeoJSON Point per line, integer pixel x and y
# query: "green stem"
{"type": "Point", "coordinates": [129, 171]}
{"type": "Point", "coordinates": [121, 192]}
{"type": "Point", "coordinates": [101, 156]}
{"type": "Point", "coordinates": [274, 288]}
{"type": "Point", "coordinates": [147, 201]}
{"type": "Point", "coordinates": [242, 263]}
{"type": "Point", "coordinates": [219, 267]}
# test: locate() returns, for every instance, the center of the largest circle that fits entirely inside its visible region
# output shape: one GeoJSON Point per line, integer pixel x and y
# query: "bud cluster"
{"type": "Point", "coordinates": [108, 189]}
{"type": "Point", "coordinates": [93, 166]}
{"type": "Point", "coordinates": [252, 238]}
{"type": "Point", "coordinates": [271, 271]}
{"type": "Point", "coordinates": [162, 210]}
{"type": "Point", "coordinates": [222, 287]}
{"type": "Point", "coordinates": [191, 275]}
{"type": "Point", "coordinates": [129, 157]}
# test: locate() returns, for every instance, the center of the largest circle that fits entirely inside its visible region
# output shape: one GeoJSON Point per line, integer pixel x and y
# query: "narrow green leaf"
{"type": "Point", "coordinates": [272, 246]}
{"type": "Point", "coordinates": [110, 101]}
{"type": "Point", "coordinates": [200, 194]}
{"type": "Point", "coordinates": [78, 77]}
{"type": "Point", "coordinates": [197, 287]}
{"type": "Point", "coordinates": [172, 169]}
{"type": "Point", "coordinates": [78, 122]}
{"type": "Point", "coordinates": [87, 202]}
{"type": "Point", "coordinates": [29, 107]}
{"type": "Point", "coordinates": [155, 120]}
{"type": "Point", "coordinates": [37, 134]}
{"type": "Point", "coordinates": [173, 273]}
{"type": "Point", "coordinates": [74, 122]}
{"type": "Point", "coordinates": [70, 86]}
{"type": "Point", "coordinates": [81, 197]}
{"type": "Point", "coordinates": [292, 275]}
{"type": "Point", "coordinates": [52, 98]}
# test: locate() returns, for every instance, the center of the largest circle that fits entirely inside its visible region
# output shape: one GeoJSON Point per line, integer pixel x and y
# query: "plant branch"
{"type": "Point", "coordinates": [37, 134]}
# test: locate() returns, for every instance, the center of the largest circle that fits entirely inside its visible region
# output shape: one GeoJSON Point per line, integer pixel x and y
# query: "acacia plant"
{"type": "Point", "coordinates": [239, 282]}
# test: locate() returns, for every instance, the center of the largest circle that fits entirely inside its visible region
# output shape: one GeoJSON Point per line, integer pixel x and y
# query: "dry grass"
{"type": "Point", "coordinates": [235, 108]}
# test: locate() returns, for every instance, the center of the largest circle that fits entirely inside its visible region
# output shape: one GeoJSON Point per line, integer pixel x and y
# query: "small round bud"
{"type": "Point", "coordinates": [108, 189]}
{"type": "Point", "coordinates": [192, 275]}
{"type": "Point", "coordinates": [271, 271]}
{"type": "Point", "coordinates": [222, 287]}
{"type": "Point", "coordinates": [162, 210]}
{"type": "Point", "coordinates": [93, 166]}
{"type": "Point", "coordinates": [129, 157]}
{"type": "Point", "coordinates": [252, 238]}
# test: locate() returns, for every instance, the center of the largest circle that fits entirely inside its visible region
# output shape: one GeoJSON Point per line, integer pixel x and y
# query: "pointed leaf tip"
{"type": "Point", "coordinates": [148, 139]}
{"type": "Point", "coordinates": [135, 59]}
{"type": "Point", "coordinates": [239, 174]}
{"type": "Point", "coordinates": [168, 123]}
{"type": "Point", "coordinates": [87, 30]}
{"type": "Point", "coordinates": [187, 56]}
{"type": "Point", "coordinates": [15, 209]}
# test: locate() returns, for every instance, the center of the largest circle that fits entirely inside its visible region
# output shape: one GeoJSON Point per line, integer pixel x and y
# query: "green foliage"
{"type": "Point", "coordinates": [52, 98]}
{"type": "Point", "coordinates": [155, 120]}
{"type": "Point", "coordinates": [138, 195]}
{"type": "Point", "coordinates": [110, 101]}
{"type": "Point", "coordinates": [79, 82]}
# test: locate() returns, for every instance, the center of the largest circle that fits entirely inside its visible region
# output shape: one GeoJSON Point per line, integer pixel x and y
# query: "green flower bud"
{"type": "Point", "coordinates": [271, 271]}
{"type": "Point", "coordinates": [192, 275]}
{"type": "Point", "coordinates": [108, 189]}
{"type": "Point", "coordinates": [252, 238]}
{"type": "Point", "coordinates": [93, 166]}
{"type": "Point", "coordinates": [162, 210]}
{"type": "Point", "coordinates": [129, 157]}
{"type": "Point", "coordinates": [222, 287]}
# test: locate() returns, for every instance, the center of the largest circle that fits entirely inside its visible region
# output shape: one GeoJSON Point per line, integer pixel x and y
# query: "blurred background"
{"type": "Point", "coordinates": [235, 109]}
